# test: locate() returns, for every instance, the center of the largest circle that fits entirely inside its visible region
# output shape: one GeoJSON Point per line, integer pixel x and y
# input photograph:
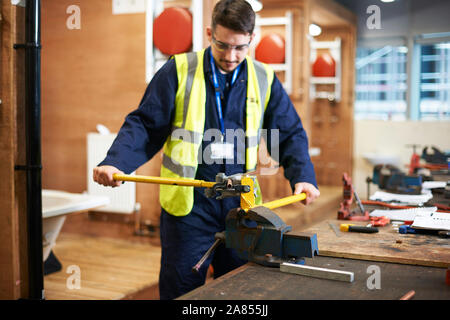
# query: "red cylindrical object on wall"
{"type": "Point", "coordinates": [324, 66]}
{"type": "Point", "coordinates": [172, 31]}
{"type": "Point", "coordinates": [271, 49]}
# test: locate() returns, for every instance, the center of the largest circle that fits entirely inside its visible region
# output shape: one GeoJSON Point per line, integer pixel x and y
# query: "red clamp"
{"type": "Point", "coordinates": [379, 221]}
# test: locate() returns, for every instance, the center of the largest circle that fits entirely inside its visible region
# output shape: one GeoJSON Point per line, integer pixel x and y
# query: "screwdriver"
{"type": "Point", "coordinates": [353, 228]}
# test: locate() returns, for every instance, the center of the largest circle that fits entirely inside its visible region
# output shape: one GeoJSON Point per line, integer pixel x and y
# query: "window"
{"type": "Point", "coordinates": [393, 83]}
{"type": "Point", "coordinates": [381, 83]}
{"type": "Point", "coordinates": [434, 101]}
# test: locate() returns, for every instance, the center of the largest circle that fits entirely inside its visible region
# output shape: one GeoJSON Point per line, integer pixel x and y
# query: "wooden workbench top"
{"type": "Point", "coordinates": [387, 245]}
{"type": "Point", "coordinates": [255, 282]}
{"type": "Point", "coordinates": [405, 261]}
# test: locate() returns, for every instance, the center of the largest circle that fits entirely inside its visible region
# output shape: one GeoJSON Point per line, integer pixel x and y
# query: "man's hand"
{"type": "Point", "coordinates": [104, 176]}
{"type": "Point", "coordinates": [311, 191]}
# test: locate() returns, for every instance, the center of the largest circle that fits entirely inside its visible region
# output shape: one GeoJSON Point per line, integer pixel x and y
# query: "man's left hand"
{"type": "Point", "coordinates": [311, 191]}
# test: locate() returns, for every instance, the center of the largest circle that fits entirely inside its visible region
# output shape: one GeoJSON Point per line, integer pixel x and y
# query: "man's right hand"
{"type": "Point", "coordinates": [104, 176]}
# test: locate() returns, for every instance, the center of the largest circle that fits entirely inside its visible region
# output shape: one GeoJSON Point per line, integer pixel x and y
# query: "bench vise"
{"type": "Point", "coordinates": [260, 236]}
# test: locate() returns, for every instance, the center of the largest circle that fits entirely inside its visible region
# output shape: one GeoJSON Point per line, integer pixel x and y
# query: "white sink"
{"type": "Point", "coordinates": [376, 159]}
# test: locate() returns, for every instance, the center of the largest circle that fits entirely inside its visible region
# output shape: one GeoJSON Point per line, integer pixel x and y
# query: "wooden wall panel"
{"type": "Point", "coordinates": [92, 75]}
{"type": "Point", "coordinates": [332, 123]}
{"type": "Point", "coordinates": [13, 223]}
{"type": "Point", "coordinates": [20, 152]}
{"type": "Point", "coordinates": [8, 237]}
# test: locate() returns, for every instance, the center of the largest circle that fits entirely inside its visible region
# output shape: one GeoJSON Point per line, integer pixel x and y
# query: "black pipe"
{"type": "Point", "coordinates": [33, 149]}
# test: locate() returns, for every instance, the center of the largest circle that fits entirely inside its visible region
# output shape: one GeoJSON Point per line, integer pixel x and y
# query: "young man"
{"type": "Point", "coordinates": [190, 108]}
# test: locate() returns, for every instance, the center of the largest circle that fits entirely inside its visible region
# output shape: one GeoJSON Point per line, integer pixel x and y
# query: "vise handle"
{"type": "Point", "coordinates": [284, 201]}
{"type": "Point", "coordinates": [219, 236]}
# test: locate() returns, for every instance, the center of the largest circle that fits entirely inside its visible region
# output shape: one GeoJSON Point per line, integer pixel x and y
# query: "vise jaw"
{"type": "Point", "coordinates": [260, 236]}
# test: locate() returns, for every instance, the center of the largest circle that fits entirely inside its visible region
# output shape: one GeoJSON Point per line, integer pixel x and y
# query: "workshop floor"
{"type": "Point", "coordinates": [110, 269]}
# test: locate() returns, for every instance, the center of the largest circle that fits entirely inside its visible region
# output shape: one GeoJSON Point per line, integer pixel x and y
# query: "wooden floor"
{"type": "Point", "coordinates": [110, 268]}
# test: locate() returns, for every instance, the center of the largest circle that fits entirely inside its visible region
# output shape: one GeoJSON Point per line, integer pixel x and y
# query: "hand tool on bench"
{"type": "Point", "coordinates": [392, 179]}
{"type": "Point", "coordinates": [405, 229]}
{"type": "Point", "coordinates": [335, 229]}
{"type": "Point", "coordinates": [353, 228]}
{"type": "Point", "coordinates": [345, 212]}
{"type": "Point", "coordinates": [378, 221]}
{"type": "Point", "coordinates": [444, 234]}
{"type": "Point", "coordinates": [254, 231]}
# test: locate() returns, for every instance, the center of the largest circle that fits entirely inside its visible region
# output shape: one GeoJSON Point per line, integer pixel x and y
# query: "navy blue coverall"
{"type": "Point", "coordinates": [184, 240]}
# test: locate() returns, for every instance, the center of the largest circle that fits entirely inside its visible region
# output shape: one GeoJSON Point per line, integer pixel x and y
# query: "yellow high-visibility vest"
{"type": "Point", "coordinates": [182, 147]}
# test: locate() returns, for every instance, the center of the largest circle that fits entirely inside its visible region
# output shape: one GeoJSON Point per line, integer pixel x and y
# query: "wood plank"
{"type": "Point", "coordinates": [20, 180]}
{"type": "Point", "coordinates": [7, 237]}
{"type": "Point", "coordinates": [316, 272]}
{"type": "Point", "coordinates": [13, 238]}
{"type": "Point", "coordinates": [387, 245]}
{"type": "Point", "coordinates": [110, 268]}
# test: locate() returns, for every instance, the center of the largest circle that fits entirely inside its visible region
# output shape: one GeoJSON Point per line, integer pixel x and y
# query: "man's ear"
{"type": "Point", "coordinates": [209, 33]}
{"type": "Point", "coordinates": [252, 36]}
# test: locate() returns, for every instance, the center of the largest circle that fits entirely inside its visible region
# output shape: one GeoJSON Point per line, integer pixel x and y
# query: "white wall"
{"type": "Point", "coordinates": [391, 139]}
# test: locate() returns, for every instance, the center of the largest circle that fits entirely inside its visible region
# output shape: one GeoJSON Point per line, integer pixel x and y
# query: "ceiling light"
{"type": "Point", "coordinates": [314, 30]}
{"type": "Point", "coordinates": [256, 5]}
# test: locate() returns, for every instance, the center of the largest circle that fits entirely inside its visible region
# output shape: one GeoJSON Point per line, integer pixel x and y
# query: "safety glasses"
{"type": "Point", "coordinates": [221, 46]}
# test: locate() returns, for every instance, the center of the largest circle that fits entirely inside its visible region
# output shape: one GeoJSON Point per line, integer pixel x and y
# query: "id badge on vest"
{"type": "Point", "coordinates": [222, 150]}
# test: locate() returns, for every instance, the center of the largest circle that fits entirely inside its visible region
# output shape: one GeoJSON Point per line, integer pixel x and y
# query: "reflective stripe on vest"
{"type": "Point", "coordinates": [260, 78]}
{"type": "Point", "coordinates": [183, 147]}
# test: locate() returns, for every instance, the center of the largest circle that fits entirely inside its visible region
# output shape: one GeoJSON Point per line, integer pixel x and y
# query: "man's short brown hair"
{"type": "Point", "coordinates": [236, 15]}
